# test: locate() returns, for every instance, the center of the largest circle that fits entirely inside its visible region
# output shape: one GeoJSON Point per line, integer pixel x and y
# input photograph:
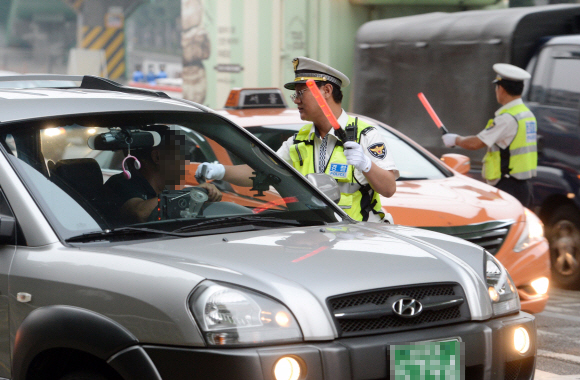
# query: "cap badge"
{"type": "Point", "coordinates": [295, 62]}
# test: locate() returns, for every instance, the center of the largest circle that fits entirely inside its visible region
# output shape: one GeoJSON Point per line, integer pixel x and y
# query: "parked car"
{"type": "Point", "coordinates": [431, 193]}
{"type": "Point", "coordinates": [222, 290]}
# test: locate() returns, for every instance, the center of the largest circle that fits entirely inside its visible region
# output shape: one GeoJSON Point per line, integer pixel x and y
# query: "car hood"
{"type": "Point", "coordinates": [302, 267]}
{"type": "Point", "coordinates": [452, 201]}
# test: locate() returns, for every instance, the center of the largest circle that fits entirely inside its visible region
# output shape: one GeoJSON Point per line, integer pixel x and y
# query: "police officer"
{"type": "Point", "coordinates": [363, 169]}
{"type": "Point", "coordinates": [510, 137]}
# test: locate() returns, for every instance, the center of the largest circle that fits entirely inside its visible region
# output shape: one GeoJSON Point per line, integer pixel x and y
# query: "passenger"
{"type": "Point", "coordinates": [511, 158]}
{"type": "Point", "coordinates": [161, 167]}
{"type": "Point", "coordinates": [151, 76]}
{"type": "Point", "coordinates": [374, 171]}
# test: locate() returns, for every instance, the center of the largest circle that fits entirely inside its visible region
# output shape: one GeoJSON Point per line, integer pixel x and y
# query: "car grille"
{"type": "Point", "coordinates": [489, 235]}
{"type": "Point", "coordinates": [372, 312]}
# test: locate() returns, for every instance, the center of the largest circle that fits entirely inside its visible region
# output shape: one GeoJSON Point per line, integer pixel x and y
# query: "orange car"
{"type": "Point", "coordinates": [431, 193]}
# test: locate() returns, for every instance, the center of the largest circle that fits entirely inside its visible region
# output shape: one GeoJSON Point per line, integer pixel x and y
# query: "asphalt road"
{"type": "Point", "coordinates": [559, 336]}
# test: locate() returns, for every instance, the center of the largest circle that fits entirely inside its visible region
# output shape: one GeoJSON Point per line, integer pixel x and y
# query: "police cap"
{"type": "Point", "coordinates": [307, 68]}
{"type": "Point", "coordinates": [509, 72]}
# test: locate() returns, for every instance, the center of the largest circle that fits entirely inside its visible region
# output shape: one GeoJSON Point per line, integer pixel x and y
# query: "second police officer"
{"type": "Point", "coordinates": [510, 137]}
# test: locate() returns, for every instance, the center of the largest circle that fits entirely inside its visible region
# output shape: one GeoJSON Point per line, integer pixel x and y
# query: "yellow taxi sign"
{"type": "Point", "coordinates": [245, 98]}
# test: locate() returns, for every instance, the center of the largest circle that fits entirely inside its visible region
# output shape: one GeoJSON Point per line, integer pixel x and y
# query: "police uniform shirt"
{"type": "Point", "coordinates": [503, 131]}
{"type": "Point", "coordinates": [366, 141]}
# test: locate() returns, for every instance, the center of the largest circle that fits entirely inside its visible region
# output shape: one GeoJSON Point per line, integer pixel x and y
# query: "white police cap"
{"type": "Point", "coordinates": [510, 72]}
{"type": "Point", "coordinates": [307, 68]}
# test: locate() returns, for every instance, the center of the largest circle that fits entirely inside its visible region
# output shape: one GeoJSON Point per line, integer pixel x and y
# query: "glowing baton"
{"type": "Point", "coordinates": [338, 131]}
{"type": "Point", "coordinates": [432, 113]}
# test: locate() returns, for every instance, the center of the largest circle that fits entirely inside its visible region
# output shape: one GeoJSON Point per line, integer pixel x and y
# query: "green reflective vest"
{"type": "Point", "coordinates": [357, 200]}
{"type": "Point", "coordinates": [520, 159]}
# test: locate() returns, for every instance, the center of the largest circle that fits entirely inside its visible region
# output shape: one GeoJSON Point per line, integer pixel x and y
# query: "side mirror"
{"type": "Point", "coordinates": [7, 229]}
{"type": "Point", "coordinates": [457, 162]}
{"type": "Point", "coordinates": [326, 184]}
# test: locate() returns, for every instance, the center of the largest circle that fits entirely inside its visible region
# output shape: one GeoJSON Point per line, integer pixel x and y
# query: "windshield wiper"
{"type": "Point", "coordinates": [411, 178]}
{"type": "Point", "coordinates": [118, 232]}
{"type": "Point", "coordinates": [237, 220]}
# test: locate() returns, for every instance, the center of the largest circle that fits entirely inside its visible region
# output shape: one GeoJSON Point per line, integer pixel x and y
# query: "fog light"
{"type": "Point", "coordinates": [521, 340]}
{"type": "Point", "coordinates": [540, 285]}
{"type": "Point", "coordinates": [493, 294]}
{"type": "Point", "coordinates": [287, 368]}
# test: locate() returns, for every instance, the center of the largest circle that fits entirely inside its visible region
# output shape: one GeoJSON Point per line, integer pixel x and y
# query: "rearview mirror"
{"type": "Point", "coordinates": [457, 162]}
{"type": "Point", "coordinates": [326, 184]}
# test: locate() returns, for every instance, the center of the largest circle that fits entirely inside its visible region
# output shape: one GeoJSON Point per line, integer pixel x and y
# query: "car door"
{"type": "Point", "coordinates": [8, 246]}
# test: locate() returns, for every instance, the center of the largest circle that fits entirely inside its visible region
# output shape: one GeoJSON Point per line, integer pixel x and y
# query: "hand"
{"type": "Point", "coordinates": [212, 171]}
{"type": "Point", "coordinates": [449, 139]}
{"type": "Point", "coordinates": [356, 156]}
{"type": "Point", "coordinates": [213, 194]}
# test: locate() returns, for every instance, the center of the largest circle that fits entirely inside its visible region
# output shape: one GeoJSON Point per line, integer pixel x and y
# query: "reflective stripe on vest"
{"type": "Point", "coordinates": [520, 159]}
{"type": "Point", "coordinates": [356, 200]}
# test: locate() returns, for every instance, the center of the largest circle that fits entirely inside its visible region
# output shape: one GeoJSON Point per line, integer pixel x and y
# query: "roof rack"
{"type": "Point", "coordinates": [88, 82]}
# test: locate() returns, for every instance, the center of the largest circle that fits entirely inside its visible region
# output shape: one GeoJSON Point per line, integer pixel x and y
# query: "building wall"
{"type": "Point", "coordinates": [251, 43]}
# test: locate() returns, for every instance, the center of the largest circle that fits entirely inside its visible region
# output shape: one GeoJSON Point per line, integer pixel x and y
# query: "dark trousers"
{"type": "Point", "coordinates": [520, 189]}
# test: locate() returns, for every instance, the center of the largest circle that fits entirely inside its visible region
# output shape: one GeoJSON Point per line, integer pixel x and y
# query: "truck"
{"type": "Point", "coordinates": [449, 57]}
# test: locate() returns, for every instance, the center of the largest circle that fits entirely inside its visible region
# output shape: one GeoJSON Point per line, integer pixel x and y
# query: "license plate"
{"type": "Point", "coordinates": [427, 360]}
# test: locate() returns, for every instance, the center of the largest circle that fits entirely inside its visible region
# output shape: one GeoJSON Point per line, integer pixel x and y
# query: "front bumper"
{"type": "Point", "coordinates": [489, 354]}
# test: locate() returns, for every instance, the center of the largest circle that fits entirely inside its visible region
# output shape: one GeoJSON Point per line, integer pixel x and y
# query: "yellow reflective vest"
{"type": "Point", "coordinates": [357, 200]}
{"type": "Point", "coordinates": [520, 159]}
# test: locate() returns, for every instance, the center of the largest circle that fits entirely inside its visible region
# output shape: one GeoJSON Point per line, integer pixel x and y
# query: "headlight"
{"type": "Point", "coordinates": [533, 231]}
{"type": "Point", "coordinates": [230, 315]}
{"type": "Point", "coordinates": [501, 289]}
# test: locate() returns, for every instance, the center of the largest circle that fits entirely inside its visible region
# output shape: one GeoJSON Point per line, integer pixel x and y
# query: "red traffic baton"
{"type": "Point", "coordinates": [432, 113]}
{"type": "Point", "coordinates": [338, 131]}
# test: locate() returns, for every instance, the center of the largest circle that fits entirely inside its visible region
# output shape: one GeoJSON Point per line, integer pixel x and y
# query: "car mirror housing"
{"type": "Point", "coordinates": [326, 184]}
{"type": "Point", "coordinates": [457, 162]}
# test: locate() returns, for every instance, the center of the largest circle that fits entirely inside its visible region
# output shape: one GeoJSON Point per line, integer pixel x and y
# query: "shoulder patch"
{"type": "Point", "coordinates": [378, 150]}
{"type": "Point", "coordinates": [367, 130]}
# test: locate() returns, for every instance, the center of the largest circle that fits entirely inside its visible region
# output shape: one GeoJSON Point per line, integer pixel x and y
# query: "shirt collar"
{"type": "Point", "coordinates": [513, 103]}
{"type": "Point", "coordinates": [342, 121]}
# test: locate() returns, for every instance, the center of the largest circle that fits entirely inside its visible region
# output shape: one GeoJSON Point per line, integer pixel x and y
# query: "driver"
{"type": "Point", "coordinates": [162, 166]}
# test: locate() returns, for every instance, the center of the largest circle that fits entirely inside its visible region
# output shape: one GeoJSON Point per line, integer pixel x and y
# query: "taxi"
{"type": "Point", "coordinates": [432, 193]}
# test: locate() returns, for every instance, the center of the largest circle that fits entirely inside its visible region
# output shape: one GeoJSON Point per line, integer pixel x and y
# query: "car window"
{"type": "Point", "coordinates": [564, 88]}
{"type": "Point", "coordinates": [68, 163]}
{"type": "Point", "coordinates": [412, 164]}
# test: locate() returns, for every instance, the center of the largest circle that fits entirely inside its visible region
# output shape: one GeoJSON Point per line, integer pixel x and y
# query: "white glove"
{"type": "Point", "coordinates": [212, 171]}
{"type": "Point", "coordinates": [449, 139]}
{"type": "Point", "coordinates": [355, 156]}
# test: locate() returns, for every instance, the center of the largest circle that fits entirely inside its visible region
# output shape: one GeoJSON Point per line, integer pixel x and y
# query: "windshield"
{"type": "Point", "coordinates": [73, 167]}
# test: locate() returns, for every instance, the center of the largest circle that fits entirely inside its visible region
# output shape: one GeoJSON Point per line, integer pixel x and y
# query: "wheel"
{"type": "Point", "coordinates": [84, 375]}
{"type": "Point", "coordinates": [563, 234]}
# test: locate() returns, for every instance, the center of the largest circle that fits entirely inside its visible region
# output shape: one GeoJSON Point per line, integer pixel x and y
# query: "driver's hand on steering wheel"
{"type": "Point", "coordinates": [213, 194]}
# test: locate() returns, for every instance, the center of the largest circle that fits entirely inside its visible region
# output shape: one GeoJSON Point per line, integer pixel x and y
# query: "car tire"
{"type": "Point", "coordinates": [563, 234]}
{"type": "Point", "coordinates": [84, 375]}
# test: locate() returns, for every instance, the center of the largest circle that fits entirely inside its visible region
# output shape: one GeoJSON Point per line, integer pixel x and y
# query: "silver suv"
{"type": "Point", "coordinates": [273, 282]}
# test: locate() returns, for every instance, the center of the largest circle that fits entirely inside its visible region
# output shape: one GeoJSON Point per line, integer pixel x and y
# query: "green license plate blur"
{"type": "Point", "coordinates": [426, 360]}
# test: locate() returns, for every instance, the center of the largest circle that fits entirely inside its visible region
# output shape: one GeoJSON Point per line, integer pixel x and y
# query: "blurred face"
{"type": "Point", "coordinates": [172, 163]}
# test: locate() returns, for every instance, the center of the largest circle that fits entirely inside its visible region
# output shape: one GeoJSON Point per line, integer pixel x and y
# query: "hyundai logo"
{"type": "Point", "coordinates": [407, 307]}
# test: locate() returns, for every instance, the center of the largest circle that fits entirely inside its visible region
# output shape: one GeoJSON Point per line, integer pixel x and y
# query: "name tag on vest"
{"type": "Point", "coordinates": [530, 132]}
{"type": "Point", "coordinates": [338, 170]}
